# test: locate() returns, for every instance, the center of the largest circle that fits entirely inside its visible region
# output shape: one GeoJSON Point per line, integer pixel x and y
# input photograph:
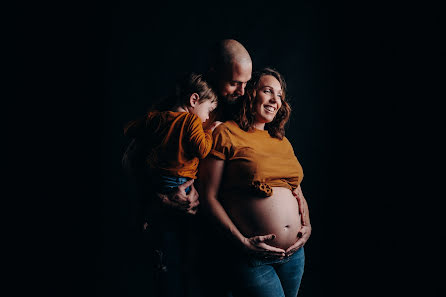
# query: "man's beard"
{"type": "Point", "coordinates": [231, 99]}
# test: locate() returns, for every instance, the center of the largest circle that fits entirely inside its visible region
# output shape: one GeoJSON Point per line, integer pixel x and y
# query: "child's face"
{"type": "Point", "coordinates": [203, 109]}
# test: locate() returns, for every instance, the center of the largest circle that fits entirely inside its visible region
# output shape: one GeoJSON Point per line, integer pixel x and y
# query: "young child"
{"type": "Point", "coordinates": [174, 140]}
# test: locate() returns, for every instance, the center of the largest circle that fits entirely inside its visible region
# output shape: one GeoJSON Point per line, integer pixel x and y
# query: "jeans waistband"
{"type": "Point", "coordinates": [254, 260]}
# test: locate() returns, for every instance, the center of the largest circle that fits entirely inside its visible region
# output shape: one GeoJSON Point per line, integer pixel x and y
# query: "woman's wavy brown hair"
{"type": "Point", "coordinates": [246, 116]}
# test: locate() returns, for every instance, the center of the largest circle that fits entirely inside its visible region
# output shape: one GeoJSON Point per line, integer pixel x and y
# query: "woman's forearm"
{"type": "Point", "coordinates": [303, 206]}
{"type": "Point", "coordinates": [306, 212]}
{"type": "Point", "coordinates": [210, 176]}
{"type": "Point", "coordinates": [219, 214]}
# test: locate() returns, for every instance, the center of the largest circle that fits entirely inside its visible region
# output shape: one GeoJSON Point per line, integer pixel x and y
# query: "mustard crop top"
{"type": "Point", "coordinates": [255, 161]}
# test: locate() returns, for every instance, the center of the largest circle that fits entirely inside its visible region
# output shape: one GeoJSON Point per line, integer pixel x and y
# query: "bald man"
{"type": "Point", "coordinates": [230, 68]}
{"type": "Point", "coordinates": [166, 218]}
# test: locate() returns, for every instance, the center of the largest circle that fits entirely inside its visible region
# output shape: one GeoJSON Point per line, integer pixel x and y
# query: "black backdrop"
{"type": "Point", "coordinates": [366, 82]}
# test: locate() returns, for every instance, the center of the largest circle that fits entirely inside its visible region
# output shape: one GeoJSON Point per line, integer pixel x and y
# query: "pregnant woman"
{"type": "Point", "coordinates": [251, 187]}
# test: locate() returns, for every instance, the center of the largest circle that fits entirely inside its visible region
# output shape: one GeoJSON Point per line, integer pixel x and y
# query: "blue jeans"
{"type": "Point", "coordinates": [268, 278]}
{"type": "Point", "coordinates": [166, 184]}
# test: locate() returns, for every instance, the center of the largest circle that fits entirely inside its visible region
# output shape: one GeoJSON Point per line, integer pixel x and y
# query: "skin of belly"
{"type": "Point", "coordinates": [277, 214]}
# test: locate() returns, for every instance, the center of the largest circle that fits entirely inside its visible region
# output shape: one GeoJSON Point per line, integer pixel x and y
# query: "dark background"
{"type": "Point", "coordinates": [366, 83]}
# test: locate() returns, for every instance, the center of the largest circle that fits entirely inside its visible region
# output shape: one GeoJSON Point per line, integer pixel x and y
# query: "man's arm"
{"type": "Point", "coordinates": [133, 164]}
{"type": "Point", "coordinates": [180, 200]}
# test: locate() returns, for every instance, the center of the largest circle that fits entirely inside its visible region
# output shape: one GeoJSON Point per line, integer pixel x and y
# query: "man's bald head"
{"type": "Point", "coordinates": [227, 52]}
{"type": "Point", "coordinates": [231, 67]}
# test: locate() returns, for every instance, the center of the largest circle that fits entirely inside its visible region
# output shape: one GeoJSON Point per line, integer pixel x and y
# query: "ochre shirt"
{"type": "Point", "coordinates": [175, 142]}
{"type": "Point", "coordinates": [255, 161]}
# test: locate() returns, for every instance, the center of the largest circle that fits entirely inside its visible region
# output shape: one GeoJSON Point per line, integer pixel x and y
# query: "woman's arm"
{"type": "Point", "coordinates": [303, 206]}
{"type": "Point", "coordinates": [210, 177]}
{"type": "Point", "coordinates": [200, 139]}
{"type": "Point", "coordinates": [305, 231]}
{"type": "Point", "coordinates": [133, 164]}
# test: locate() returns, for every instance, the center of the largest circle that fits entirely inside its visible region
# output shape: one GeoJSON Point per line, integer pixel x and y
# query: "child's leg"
{"type": "Point", "coordinates": [167, 184]}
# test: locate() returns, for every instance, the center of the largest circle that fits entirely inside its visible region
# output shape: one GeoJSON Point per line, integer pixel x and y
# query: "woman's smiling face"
{"type": "Point", "coordinates": [268, 100]}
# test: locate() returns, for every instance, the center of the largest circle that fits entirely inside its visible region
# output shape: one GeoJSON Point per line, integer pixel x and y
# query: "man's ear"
{"type": "Point", "coordinates": [193, 99]}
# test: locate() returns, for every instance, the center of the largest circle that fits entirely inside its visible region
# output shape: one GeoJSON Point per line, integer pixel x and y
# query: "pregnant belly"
{"type": "Point", "coordinates": [277, 214]}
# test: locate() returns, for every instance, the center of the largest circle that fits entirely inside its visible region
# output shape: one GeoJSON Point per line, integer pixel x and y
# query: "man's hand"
{"type": "Point", "coordinates": [179, 200]}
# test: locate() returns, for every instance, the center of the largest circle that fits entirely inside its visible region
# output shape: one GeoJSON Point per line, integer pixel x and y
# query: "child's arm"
{"type": "Point", "coordinates": [214, 125]}
{"type": "Point", "coordinates": [200, 140]}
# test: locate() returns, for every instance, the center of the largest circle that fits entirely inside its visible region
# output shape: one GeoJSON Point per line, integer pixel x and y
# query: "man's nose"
{"type": "Point", "coordinates": [241, 90]}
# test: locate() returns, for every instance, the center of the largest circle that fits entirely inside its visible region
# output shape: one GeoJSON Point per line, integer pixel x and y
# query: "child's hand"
{"type": "Point", "coordinates": [215, 125]}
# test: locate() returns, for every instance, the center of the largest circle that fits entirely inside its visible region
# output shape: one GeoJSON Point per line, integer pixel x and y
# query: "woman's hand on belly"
{"type": "Point", "coordinates": [258, 245]}
{"type": "Point", "coordinates": [277, 214]}
{"type": "Point", "coordinates": [303, 235]}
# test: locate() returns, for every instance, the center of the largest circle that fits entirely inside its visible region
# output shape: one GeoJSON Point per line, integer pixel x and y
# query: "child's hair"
{"type": "Point", "coordinates": [185, 86]}
{"type": "Point", "coordinates": [193, 83]}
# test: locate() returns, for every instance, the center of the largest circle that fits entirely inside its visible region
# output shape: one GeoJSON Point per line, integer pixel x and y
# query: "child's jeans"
{"type": "Point", "coordinates": [167, 184]}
